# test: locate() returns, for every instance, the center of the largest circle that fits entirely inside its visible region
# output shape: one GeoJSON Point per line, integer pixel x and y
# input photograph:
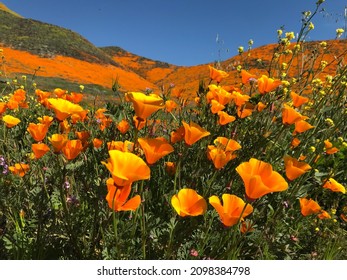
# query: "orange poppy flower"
{"type": "Point", "coordinates": [239, 98]}
{"type": "Point", "coordinates": [83, 135]}
{"type": "Point", "coordinates": [295, 168]}
{"type": "Point", "coordinates": [177, 135]}
{"type": "Point", "coordinates": [302, 126]}
{"type": "Point", "coordinates": [246, 76]}
{"type": "Point", "coordinates": [266, 84]}
{"type": "Point", "coordinates": [64, 108]}
{"type": "Point", "coordinates": [244, 112]}
{"type": "Point", "coordinates": [170, 105]}
{"type": "Point", "coordinates": [39, 149]}
{"type": "Point", "coordinates": [64, 126]}
{"type": "Point", "coordinates": [193, 133]}
{"type": "Point", "coordinates": [46, 120]}
{"type": "Point", "coordinates": [295, 142]}
{"type": "Point", "coordinates": [125, 146]}
{"type": "Point", "coordinates": [126, 167]}
{"type": "Point", "coordinates": [3, 108]}
{"type": "Point", "coordinates": [261, 106]}
{"type": "Point", "coordinates": [155, 148]}
{"type": "Point", "coordinates": [216, 106]}
{"type": "Point", "coordinates": [219, 94]}
{"type": "Point", "coordinates": [298, 100]}
{"type": "Point", "coordinates": [324, 215]}
{"type": "Point", "coordinates": [19, 169]}
{"type": "Point", "coordinates": [60, 93]}
{"type": "Point", "coordinates": [223, 151]}
{"type": "Point", "coordinates": [260, 179]}
{"type": "Point", "coordinates": [145, 105]}
{"type": "Point", "coordinates": [74, 97]}
{"type": "Point", "coordinates": [217, 75]}
{"type": "Point", "coordinates": [225, 118]}
{"type": "Point", "coordinates": [97, 143]}
{"type": "Point", "coordinates": [117, 197]}
{"type": "Point", "coordinates": [42, 96]}
{"type": "Point", "coordinates": [290, 115]}
{"type": "Point", "coordinates": [72, 149]}
{"type": "Point", "coordinates": [219, 157]}
{"type": "Point", "coordinates": [79, 116]}
{"type": "Point", "coordinates": [309, 206]}
{"type": "Point", "coordinates": [188, 203]}
{"type": "Point", "coordinates": [10, 121]}
{"type": "Point", "coordinates": [58, 141]}
{"type": "Point", "coordinates": [37, 131]}
{"type": "Point", "coordinates": [329, 149]}
{"type": "Point", "coordinates": [123, 126]}
{"type": "Point", "coordinates": [232, 211]}
{"type": "Point", "coordinates": [334, 186]}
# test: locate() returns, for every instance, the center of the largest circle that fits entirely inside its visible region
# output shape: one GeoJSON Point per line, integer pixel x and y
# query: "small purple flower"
{"type": "Point", "coordinates": [66, 185]}
{"type": "Point", "coordinates": [4, 165]}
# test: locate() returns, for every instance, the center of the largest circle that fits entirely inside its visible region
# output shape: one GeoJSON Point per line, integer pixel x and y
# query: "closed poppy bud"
{"type": "Point", "coordinates": [334, 186]}
{"type": "Point", "coordinates": [295, 168]}
{"type": "Point", "coordinates": [233, 210]}
{"type": "Point", "coordinates": [72, 149]}
{"type": "Point", "coordinates": [10, 121]}
{"type": "Point", "coordinates": [188, 203]}
{"type": "Point", "coordinates": [170, 168]}
{"type": "Point", "coordinates": [309, 206]}
{"type": "Point", "coordinates": [155, 148]}
{"type": "Point", "coordinates": [259, 178]}
{"type": "Point", "coordinates": [193, 133]}
{"type": "Point", "coordinates": [39, 150]}
{"type": "Point", "coordinates": [145, 105]}
{"type": "Point", "coordinates": [37, 131]}
{"type": "Point", "coordinates": [217, 75]}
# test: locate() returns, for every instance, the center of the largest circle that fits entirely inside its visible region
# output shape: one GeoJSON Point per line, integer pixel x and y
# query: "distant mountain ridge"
{"type": "Point", "coordinates": [31, 46]}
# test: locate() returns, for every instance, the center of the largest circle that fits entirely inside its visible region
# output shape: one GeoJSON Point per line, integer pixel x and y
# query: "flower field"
{"type": "Point", "coordinates": [253, 170]}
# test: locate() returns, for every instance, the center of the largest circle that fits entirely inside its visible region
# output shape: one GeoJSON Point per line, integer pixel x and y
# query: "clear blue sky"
{"type": "Point", "coordinates": [182, 32]}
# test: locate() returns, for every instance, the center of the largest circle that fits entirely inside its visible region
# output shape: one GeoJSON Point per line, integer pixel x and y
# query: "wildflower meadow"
{"type": "Point", "coordinates": [250, 170]}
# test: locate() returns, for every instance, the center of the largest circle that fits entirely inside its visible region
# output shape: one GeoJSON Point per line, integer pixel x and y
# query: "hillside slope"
{"type": "Point", "coordinates": [30, 46]}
